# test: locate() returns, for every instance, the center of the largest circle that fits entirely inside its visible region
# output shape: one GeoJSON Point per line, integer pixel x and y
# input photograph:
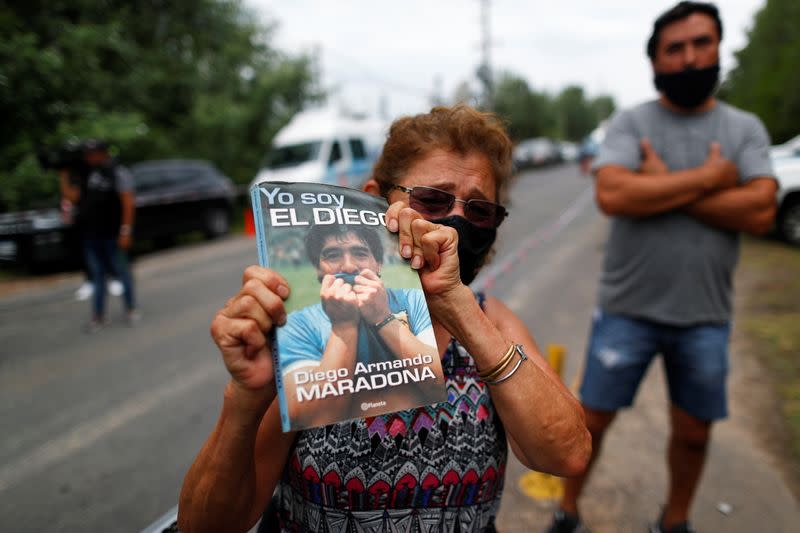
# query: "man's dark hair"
{"type": "Point", "coordinates": [319, 233]}
{"type": "Point", "coordinates": [679, 12]}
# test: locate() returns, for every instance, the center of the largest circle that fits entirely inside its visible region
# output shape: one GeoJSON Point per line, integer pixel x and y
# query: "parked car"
{"type": "Point", "coordinates": [536, 152]}
{"type": "Point", "coordinates": [173, 197]}
{"type": "Point", "coordinates": [36, 237]}
{"type": "Point", "coordinates": [590, 146]}
{"type": "Point", "coordinates": [790, 148]}
{"type": "Point", "coordinates": [787, 222]}
{"type": "Point", "coordinates": [178, 196]}
{"type": "Point", "coordinates": [569, 151]}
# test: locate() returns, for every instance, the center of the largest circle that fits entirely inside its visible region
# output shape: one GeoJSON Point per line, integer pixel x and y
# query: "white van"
{"type": "Point", "coordinates": [323, 146]}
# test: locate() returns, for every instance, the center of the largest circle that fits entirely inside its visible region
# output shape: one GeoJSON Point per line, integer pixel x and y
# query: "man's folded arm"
{"type": "Point", "coordinates": [750, 208]}
{"type": "Point", "coordinates": [621, 191]}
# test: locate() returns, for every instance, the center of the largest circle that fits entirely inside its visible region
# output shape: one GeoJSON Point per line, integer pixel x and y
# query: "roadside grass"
{"type": "Point", "coordinates": [771, 320]}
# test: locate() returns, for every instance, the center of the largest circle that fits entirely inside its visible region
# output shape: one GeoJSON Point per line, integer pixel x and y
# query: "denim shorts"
{"type": "Point", "coordinates": [695, 362]}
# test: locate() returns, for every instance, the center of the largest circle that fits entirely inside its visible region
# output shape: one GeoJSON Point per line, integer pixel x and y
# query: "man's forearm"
{"type": "Point", "coordinates": [128, 209]}
{"type": "Point", "coordinates": [621, 191]}
{"type": "Point", "coordinates": [68, 190]}
{"type": "Point", "coordinates": [750, 208]}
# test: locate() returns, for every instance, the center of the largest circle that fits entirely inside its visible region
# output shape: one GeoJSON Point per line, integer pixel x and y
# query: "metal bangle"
{"type": "Point", "coordinates": [500, 366]}
{"type": "Point", "coordinates": [522, 358]}
{"type": "Point", "coordinates": [390, 317]}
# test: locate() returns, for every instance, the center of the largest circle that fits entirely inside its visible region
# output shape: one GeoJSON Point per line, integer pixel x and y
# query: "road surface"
{"type": "Point", "coordinates": [99, 430]}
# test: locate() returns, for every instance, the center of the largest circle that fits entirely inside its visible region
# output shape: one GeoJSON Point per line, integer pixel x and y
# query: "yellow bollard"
{"type": "Point", "coordinates": [536, 485]}
{"type": "Point", "coordinates": [541, 487]}
{"type": "Point", "coordinates": [555, 357]}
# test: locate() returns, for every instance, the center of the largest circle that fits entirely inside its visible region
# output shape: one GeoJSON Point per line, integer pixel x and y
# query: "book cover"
{"type": "Point", "coordinates": [358, 339]}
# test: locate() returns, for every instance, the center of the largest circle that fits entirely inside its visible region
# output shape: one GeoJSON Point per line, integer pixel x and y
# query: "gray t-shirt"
{"type": "Point", "coordinates": [671, 268]}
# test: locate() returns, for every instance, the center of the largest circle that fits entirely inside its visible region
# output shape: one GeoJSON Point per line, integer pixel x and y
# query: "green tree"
{"type": "Point", "coordinates": [158, 79]}
{"type": "Point", "coordinates": [575, 117]}
{"type": "Point", "coordinates": [602, 107]}
{"type": "Point", "coordinates": [766, 79]}
{"type": "Point", "coordinates": [529, 113]}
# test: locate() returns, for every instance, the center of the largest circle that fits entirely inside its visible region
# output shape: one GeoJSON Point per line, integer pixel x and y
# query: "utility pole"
{"type": "Point", "coordinates": [436, 97]}
{"type": "Point", "coordinates": [383, 106]}
{"type": "Point", "coordinates": [485, 69]}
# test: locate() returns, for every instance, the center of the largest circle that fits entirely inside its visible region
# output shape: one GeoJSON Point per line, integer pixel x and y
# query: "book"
{"type": "Point", "coordinates": [358, 339]}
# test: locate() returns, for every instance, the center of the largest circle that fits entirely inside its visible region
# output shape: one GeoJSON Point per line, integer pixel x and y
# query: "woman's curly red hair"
{"type": "Point", "coordinates": [460, 129]}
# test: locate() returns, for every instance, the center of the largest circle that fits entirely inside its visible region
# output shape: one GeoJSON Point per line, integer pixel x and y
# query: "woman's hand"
{"type": "Point", "coordinates": [241, 328]}
{"type": "Point", "coordinates": [432, 248]}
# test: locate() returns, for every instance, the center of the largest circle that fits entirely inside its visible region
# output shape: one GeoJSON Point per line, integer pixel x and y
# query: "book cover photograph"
{"type": "Point", "coordinates": [358, 339]}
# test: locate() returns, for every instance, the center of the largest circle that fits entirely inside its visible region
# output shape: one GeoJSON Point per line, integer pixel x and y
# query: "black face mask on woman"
{"type": "Point", "coordinates": [688, 88]}
{"type": "Point", "coordinates": [474, 243]}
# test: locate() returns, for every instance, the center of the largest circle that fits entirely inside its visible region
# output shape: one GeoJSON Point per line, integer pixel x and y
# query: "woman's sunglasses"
{"type": "Point", "coordinates": [436, 203]}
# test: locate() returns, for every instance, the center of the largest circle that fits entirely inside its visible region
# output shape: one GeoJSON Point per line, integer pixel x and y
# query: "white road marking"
{"type": "Point", "coordinates": [541, 236]}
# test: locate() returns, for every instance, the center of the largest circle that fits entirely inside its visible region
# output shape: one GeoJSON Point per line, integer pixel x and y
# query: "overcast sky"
{"type": "Point", "coordinates": [397, 49]}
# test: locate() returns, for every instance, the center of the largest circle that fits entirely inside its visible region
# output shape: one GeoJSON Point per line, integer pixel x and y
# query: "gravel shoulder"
{"type": "Point", "coordinates": [766, 342]}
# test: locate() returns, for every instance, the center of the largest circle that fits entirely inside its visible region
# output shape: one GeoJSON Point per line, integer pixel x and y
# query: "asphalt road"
{"type": "Point", "coordinates": [98, 431]}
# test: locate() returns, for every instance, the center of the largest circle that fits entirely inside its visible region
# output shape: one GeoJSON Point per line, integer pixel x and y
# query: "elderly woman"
{"type": "Point", "coordinates": [443, 173]}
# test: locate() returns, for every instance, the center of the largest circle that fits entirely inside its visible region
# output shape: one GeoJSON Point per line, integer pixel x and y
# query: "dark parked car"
{"type": "Point", "coordinates": [35, 237]}
{"type": "Point", "coordinates": [179, 196]}
{"type": "Point", "coordinates": [172, 197]}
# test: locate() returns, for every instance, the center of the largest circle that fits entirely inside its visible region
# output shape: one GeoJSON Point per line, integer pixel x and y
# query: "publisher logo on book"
{"type": "Point", "coordinates": [371, 405]}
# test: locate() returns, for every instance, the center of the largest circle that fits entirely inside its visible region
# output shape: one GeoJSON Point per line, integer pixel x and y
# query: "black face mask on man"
{"type": "Point", "coordinates": [688, 88]}
{"type": "Point", "coordinates": [474, 244]}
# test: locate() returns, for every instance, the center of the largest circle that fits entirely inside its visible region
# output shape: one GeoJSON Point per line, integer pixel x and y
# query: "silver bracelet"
{"type": "Point", "coordinates": [522, 358]}
{"type": "Point", "coordinates": [389, 318]}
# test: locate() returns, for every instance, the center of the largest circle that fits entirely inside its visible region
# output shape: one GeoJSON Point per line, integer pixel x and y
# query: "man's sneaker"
{"type": "Point", "coordinates": [115, 287]}
{"type": "Point", "coordinates": [564, 522]}
{"type": "Point", "coordinates": [94, 325]}
{"type": "Point", "coordinates": [683, 527]}
{"type": "Point", "coordinates": [85, 291]}
{"type": "Point", "coordinates": [133, 317]}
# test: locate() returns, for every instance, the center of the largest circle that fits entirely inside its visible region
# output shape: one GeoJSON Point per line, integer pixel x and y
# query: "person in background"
{"type": "Point", "coordinates": [432, 468]}
{"type": "Point", "coordinates": [69, 215]}
{"type": "Point", "coordinates": [680, 177]}
{"type": "Point", "coordinates": [105, 201]}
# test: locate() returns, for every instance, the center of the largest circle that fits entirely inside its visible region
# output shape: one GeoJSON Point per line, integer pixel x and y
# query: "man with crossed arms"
{"type": "Point", "coordinates": [680, 177]}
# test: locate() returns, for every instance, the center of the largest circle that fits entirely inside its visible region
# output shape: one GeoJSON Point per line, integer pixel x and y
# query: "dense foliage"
{"type": "Point", "coordinates": [194, 79]}
{"type": "Point", "coordinates": [766, 79]}
{"type": "Point", "coordinates": [567, 115]}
